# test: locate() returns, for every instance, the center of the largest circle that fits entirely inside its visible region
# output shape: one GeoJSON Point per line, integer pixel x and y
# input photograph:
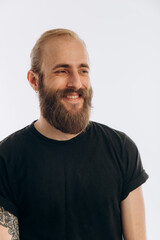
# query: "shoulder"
{"type": "Point", "coordinates": [115, 138]}
{"type": "Point", "coordinates": [108, 132]}
{"type": "Point", "coordinates": [14, 140]}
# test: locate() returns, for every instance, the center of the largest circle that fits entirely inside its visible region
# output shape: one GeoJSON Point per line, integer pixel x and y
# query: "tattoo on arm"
{"type": "Point", "coordinates": [9, 221]}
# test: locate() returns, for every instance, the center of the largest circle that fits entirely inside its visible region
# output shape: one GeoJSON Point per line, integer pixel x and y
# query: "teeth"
{"type": "Point", "coordinates": [73, 97]}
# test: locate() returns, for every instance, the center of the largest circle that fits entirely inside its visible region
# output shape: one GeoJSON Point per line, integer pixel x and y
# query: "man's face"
{"type": "Point", "coordinates": [64, 91]}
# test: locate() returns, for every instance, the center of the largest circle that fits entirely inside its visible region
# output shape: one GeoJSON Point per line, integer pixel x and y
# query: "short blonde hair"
{"type": "Point", "coordinates": [36, 53]}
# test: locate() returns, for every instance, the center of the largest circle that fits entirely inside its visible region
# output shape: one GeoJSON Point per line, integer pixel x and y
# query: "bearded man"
{"type": "Point", "coordinates": [65, 177]}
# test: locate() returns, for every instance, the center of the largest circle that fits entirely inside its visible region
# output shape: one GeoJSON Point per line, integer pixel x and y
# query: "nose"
{"type": "Point", "coordinates": [74, 81]}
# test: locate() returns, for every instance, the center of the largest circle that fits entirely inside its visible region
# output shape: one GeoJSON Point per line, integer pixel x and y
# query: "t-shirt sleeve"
{"type": "Point", "coordinates": [6, 192]}
{"type": "Point", "coordinates": [134, 173]}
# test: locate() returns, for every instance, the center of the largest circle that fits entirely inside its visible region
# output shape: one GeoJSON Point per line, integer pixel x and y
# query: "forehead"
{"type": "Point", "coordinates": [63, 50]}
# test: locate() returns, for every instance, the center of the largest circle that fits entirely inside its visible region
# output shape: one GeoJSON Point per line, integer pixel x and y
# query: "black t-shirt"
{"type": "Point", "coordinates": [69, 190]}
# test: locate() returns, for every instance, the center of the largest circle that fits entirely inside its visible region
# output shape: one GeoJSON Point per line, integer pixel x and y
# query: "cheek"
{"type": "Point", "coordinates": [87, 83]}
{"type": "Point", "coordinates": [55, 83]}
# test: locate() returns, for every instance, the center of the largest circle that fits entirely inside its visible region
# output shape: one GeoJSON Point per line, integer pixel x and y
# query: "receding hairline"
{"type": "Point", "coordinates": [60, 33]}
{"type": "Point", "coordinates": [60, 38]}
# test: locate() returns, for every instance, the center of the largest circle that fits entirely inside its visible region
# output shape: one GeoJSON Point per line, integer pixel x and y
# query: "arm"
{"type": "Point", "coordinates": [9, 229]}
{"type": "Point", "coordinates": [133, 216]}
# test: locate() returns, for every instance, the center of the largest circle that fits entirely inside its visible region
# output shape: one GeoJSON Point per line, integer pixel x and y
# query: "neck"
{"type": "Point", "coordinates": [51, 132]}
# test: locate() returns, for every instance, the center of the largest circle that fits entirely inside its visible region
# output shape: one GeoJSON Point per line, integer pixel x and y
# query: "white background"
{"type": "Point", "coordinates": [123, 40]}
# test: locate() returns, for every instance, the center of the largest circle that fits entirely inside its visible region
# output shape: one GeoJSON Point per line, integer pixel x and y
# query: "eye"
{"type": "Point", "coordinates": [84, 71]}
{"type": "Point", "coordinates": [61, 72]}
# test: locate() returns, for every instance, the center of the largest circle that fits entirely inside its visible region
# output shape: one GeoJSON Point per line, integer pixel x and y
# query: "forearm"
{"type": "Point", "coordinates": [9, 229]}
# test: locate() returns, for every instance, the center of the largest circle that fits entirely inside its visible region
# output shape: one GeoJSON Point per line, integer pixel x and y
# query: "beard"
{"type": "Point", "coordinates": [71, 121]}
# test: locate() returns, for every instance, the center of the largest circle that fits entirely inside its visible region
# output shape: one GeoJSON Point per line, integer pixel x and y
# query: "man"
{"type": "Point", "coordinates": [63, 176]}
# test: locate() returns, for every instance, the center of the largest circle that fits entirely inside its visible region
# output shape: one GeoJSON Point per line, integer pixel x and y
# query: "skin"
{"type": "Point", "coordinates": [65, 65]}
{"type": "Point", "coordinates": [133, 216]}
{"type": "Point", "coordinates": [9, 229]}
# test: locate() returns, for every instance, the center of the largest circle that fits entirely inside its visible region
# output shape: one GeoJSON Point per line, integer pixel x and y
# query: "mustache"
{"type": "Point", "coordinates": [53, 98]}
{"type": "Point", "coordinates": [81, 92]}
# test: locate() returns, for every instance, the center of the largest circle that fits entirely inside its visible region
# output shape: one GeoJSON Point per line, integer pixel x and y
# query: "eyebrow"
{"type": "Point", "coordinates": [69, 66]}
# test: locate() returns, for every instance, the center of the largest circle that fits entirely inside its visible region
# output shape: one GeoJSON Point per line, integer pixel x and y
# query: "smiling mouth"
{"type": "Point", "coordinates": [73, 97]}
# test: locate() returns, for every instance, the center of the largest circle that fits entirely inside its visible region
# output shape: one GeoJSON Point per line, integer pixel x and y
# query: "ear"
{"type": "Point", "coordinates": [33, 79]}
